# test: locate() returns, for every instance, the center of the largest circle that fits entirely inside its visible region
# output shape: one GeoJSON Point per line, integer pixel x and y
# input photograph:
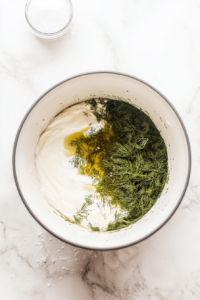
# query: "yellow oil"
{"type": "Point", "coordinates": [70, 150]}
{"type": "Point", "coordinates": [89, 187]}
{"type": "Point", "coordinates": [89, 169]}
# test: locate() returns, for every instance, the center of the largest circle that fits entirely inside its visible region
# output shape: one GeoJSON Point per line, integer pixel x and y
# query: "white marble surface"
{"type": "Point", "coordinates": [157, 41]}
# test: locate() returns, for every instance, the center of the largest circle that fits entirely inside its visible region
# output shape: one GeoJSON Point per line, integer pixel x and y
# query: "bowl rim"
{"type": "Point", "coordinates": [41, 223]}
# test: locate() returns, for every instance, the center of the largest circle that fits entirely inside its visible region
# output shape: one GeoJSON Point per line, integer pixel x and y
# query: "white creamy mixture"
{"type": "Point", "coordinates": [61, 184]}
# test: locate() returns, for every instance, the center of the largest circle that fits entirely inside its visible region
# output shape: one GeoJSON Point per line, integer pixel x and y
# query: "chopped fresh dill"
{"type": "Point", "coordinates": [85, 114]}
{"type": "Point", "coordinates": [94, 228]}
{"type": "Point", "coordinates": [127, 160]}
{"type": "Point", "coordinates": [82, 213]}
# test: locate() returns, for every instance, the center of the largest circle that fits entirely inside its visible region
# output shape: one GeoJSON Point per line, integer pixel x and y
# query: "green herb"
{"type": "Point", "coordinates": [127, 160]}
{"type": "Point", "coordinates": [94, 228]}
{"type": "Point", "coordinates": [83, 212]}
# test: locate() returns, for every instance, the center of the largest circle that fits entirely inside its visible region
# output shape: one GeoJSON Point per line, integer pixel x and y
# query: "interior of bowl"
{"type": "Point", "coordinates": [118, 87]}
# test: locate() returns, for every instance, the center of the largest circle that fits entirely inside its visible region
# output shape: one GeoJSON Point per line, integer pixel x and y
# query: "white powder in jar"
{"type": "Point", "coordinates": [49, 16]}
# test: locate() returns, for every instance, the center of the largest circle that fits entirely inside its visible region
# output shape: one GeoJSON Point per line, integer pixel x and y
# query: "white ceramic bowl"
{"type": "Point", "coordinates": [115, 86]}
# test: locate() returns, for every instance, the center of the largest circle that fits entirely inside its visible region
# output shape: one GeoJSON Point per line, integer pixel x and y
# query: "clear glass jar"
{"type": "Point", "coordinates": [49, 19]}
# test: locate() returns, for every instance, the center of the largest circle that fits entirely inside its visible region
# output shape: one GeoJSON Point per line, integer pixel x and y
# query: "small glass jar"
{"type": "Point", "coordinates": [49, 19]}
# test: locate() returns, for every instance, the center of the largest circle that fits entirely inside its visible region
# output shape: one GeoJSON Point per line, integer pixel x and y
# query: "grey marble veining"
{"type": "Point", "coordinates": [157, 41]}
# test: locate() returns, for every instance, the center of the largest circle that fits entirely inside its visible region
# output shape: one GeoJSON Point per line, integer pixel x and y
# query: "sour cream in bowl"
{"type": "Point", "coordinates": [54, 185]}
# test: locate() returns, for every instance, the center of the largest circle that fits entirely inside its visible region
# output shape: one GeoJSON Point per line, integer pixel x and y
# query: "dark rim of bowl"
{"type": "Point", "coordinates": [77, 244]}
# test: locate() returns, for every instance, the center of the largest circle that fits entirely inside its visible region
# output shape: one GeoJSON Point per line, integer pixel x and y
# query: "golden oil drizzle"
{"type": "Point", "coordinates": [90, 169]}
{"type": "Point", "coordinates": [70, 150]}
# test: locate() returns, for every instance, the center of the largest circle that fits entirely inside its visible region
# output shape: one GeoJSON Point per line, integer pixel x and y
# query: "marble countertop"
{"type": "Point", "coordinates": [157, 41]}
